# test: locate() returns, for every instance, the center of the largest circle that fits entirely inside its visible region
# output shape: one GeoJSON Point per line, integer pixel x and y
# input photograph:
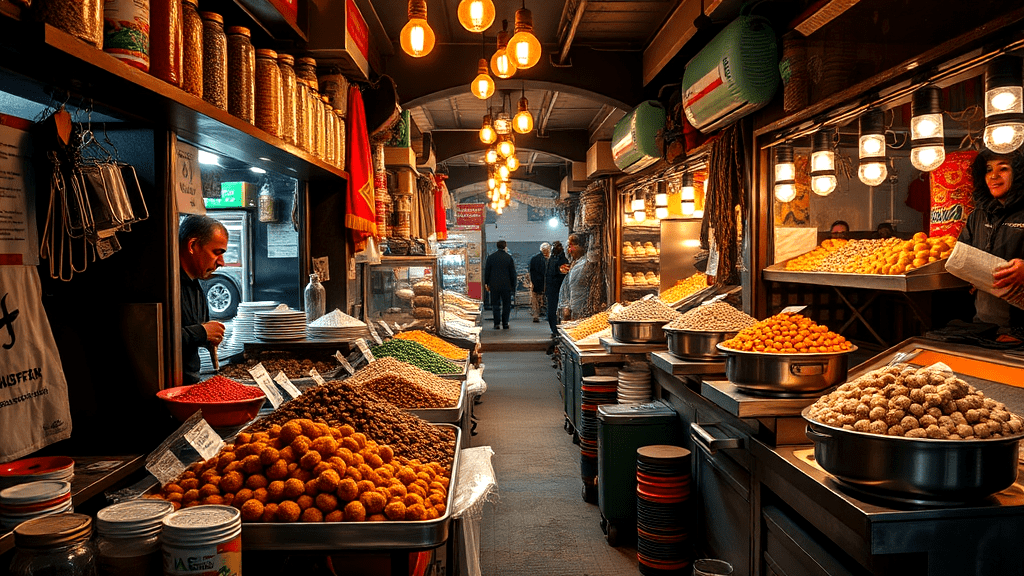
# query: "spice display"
{"type": "Point", "coordinates": [219, 389]}
{"type": "Point", "coordinates": [83, 19]}
{"type": "Point", "coordinates": [165, 39]}
{"type": "Point", "coordinates": [685, 287]}
{"type": "Point", "coordinates": [303, 471]}
{"type": "Point", "coordinates": [645, 310]}
{"type": "Point", "coordinates": [406, 386]}
{"type": "Point", "coordinates": [889, 256]}
{"type": "Point", "coordinates": [126, 31]}
{"type": "Point", "coordinates": [215, 60]}
{"type": "Point", "coordinates": [191, 48]}
{"type": "Point", "coordinates": [241, 74]}
{"type": "Point", "coordinates": [902, 400]}
{"type": "Point", "coordinates": [339, 139]}
{"type": "Point", "coordinates": [339, 403]}
{"type": "Point", "coordinates": [589, 326]}
{"type": "Point", "coordinates": [446, 349]}
{"type": "Point", "coordinates": [787, 333]}
{"type": "Point", "coordinates": [292, 365]}
{"type": "Point", "coordinates": [715, 317]}
{"type": "Point", "coordinates": [416, 354]}
{"type": "Point", "coordinates": [286, 63]}
{"type": "Point", "coordinates": [305, 68]}
{"type": "Point", "coordinates": [337, 319]}
{"type": "Point", "coordinates": [811, 260]}
{"type": "Point", "coordinates": [268, 92]}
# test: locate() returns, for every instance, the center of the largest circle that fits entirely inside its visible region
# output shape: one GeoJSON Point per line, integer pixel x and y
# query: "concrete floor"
{"type": "Point", "coordinates": [522, 334]}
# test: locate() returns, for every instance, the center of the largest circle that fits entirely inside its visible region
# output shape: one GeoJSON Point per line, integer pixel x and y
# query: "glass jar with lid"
{"type": "Point", "coordinates": [302, 129]}
{"type": "Point", "coordinates": [316, 107]}
{"type": "Point", "coordinates": [241, 74]}
{"type": "Point", "coordinates": [215, 60]}
{"type": "Point", "coordinates": [165, 37]}
{"type": "Point", "coordinates": [128, 538]}
{"type": "Point", "coordinates": [286, 62]}
{"type": "Point", "coordinates": [305, 68]}
{"type": "Point", "coordinates": [56, 544]}
{"type": "Point", "coordinates": [83, 19]}
{"type": "Point", "coordinates": [328, 130]}
{"type": "Point", "coordinates": [339, 139]}
{"type": "Point", "coordinates": [191, 48]}
{"type": "Point", "coordinates": [268, 92]}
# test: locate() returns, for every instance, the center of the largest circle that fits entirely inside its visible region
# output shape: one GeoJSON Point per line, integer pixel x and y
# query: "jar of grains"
{"type": "Point", "coordinates": [268, 92]}
{"type": "Point", "coordinates": [191, 48]}
{"type": "Point", "coordinates": [302, 130]}
{"type": "Point", "coordinates": [319, 138]}
{"type": "Point", "coordinates": [215, 60]}
{"type": "Point", "coordinates": [286, 63]}
{"type": "Point", "coordinates": [241, 74]}
{"type": "Point", "coordinates": [339, 139]}
{"type": "Point", "coordinates": [305, 68]}
{"type": "Point", "coordinates": [126, 32]}
{"type": "Point", "coordinates": [328, 130]}
{"type": "Point", "coordinates": [165, 37]}
{"type": "Point", "coordinates": [83, 19]}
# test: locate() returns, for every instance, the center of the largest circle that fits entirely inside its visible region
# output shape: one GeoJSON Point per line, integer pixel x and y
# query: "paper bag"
{"type": "Point", "coordinates": [977, 266]}
{"type": "Point", "coordinates": [34, 409]}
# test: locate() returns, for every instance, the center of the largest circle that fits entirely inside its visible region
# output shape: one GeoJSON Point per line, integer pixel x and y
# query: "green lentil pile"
{"type": "Point", "coordinates": [416, 354]}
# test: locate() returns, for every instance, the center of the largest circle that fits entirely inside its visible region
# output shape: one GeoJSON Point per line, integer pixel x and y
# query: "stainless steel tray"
{"type": "Point", "coordinates": [356, 535]}
{"type": "Point", "coordinates": [451, 415]}
{"type": "Point", "coordinates": [459, 375]}
{"type": "Point", "coordinates": [928, 277]}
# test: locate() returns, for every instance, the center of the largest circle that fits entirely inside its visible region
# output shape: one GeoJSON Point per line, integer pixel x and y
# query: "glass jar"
{"type": "Point", "coordinates": [126, 32]}
{"type": "Point", "coordinates": [305, 68]}
{"type": "Point", "coordinates": [286, 63]}
{"type": "Point", "coordinates": [339, 139]}
{"type": "Point", "coordinates": [328, 130]}
{"type": "Point", "coordinates": [191, 48]}
{"type": "Point", "coordinates": [83, 19]}
{"type": "Point", "coordinates": [268, 92]}
{"type": "Point", "coordinates": [54, 545]}
{"type": "Point", "coordinates": [316, 109]}
{"type": "Point", "coordinates": [315, 298]}
{"type": "Point", "coordinates": [241, 74]}
{"type": "Point", "coordinates": [165, 38]}
{"type": "Point", "coordinates": [215, 60]}
{"type": "Point", "coordinates": [128, 538]}
{"type": "Point", "coordinates": [302, 130]}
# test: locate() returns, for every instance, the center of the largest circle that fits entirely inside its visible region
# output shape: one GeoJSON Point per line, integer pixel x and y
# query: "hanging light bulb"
{"type": "Point", "coordinates": [686, 195]}
{"type": "Point", "coordinates": [639, 210]}
{"type": "Point", "coordinates": [926, 136]}
{"type": "Point", "coordinates": [501, 63]}
{"type": "Point", "coordinates": [487, 133]}
{"type": "Point", "coordinates": [627, 211]}
{"type": "Point", "coordinates": [823, 163]}
{"type": "Point", "coordinates": [506, 147]}
{"type": "Point", "coordinates": [1004, 105]}
{"type": "Point", "coordinates": [476, 15]}
{"type": "Point", "coordinates": [416, 38]}
{"type": "Point", "coordinates": [661, 206]}
{"type": "Point", "coordinates": [502, 203]}
{"type": "Point", "coordinates": [492, 182]}
{"type": "Point", "coordinates": [512, 162]}
{"type": "Point", "coordinates": [502, 122]}
{"type": "Point", "coordinates": [871, 148]}
{"type": "Point", "coordinates": [503, 171]}
{"type": "Point", "coordinates": [524, 48]}
{"type": "Point", "coordinates": [482, 86]}
{"type": "Point", "coordinates": [523, 122]}
{"type": "Point", "coordinates": [502, 188]}
{"type": "Point", "coordinates": [785, 173]}
{"type": "Point", "coordinates": [491, 156]}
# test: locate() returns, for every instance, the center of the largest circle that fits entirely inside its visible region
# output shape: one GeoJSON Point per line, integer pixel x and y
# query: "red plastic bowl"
{"type": "Point", "coordinates": [216, 414]}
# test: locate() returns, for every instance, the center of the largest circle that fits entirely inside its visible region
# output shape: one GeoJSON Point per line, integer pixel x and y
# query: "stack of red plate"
{"type": "Point", "coordinates": [32, 500]}
{"type": "Point", "coordinates": [665, 519]}
{"type": "Point", "coordinates": [595, 390]}
{"type": "Point", "coordinates": [35, 469]}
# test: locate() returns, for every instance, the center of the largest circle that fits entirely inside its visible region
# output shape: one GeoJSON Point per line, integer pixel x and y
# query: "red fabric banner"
{"type": "Point", "coordinates": [360, 217]}
{"type": "Point", "coordinates": [440, 222]}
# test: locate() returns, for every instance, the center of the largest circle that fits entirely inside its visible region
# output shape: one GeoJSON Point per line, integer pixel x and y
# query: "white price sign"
{"type": "Point", "coordinates": [317, 377]}
{"type": "Point", "coordinates": [387, 329]}
{"type": "Point", "coordinates": [344, 363]}
{"type": "Point", "coordinates": [263, 380]}
{"type": "Point", "coordinates": [793, 309]}
{"type": "Point", "coordinates": [188, 186]}
{"type": "Point", "coordinates": [204, 440]}
{"type": "Point", "coordinates": [287, 385]}
{"type": "Point", "coordinates": [365, 349]}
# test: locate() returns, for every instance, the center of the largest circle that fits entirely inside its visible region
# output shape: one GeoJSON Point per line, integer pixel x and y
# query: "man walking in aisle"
{"type": "Point", "coordinates": [500, 281]}
{"type": "Point", "coordinates": [538, 267]}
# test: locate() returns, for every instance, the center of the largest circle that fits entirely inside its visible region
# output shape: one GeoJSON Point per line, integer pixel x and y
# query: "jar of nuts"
{"type": "Point", "coordinates": [305, 68]}
{"type": "Point", "coordinates": [191, 48]}
{"type": "Point", "coordinates": [268, 92]}
{"type": "Point", "coordinates": [165, 56]}
{"type": "Point", "coordinates": [302, 129]}
{"type": "Point", "coordinates": [286, 63]}
{"type": "Point", "coordinates": [83, 19]}
{"type": "Point", "coordinates": [215, 60]}
{"type": "Point", "coordinates": [241, 74]}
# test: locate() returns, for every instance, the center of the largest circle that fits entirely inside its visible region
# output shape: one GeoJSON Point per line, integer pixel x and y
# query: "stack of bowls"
{"type": "Point", "coordinates": [35, 469]}
{"type": "Point", "coordinates": [33, 500]}
{"type": "Point", "coordinates": [634, 384]}
{"type": "Point", "coordinates": [664, 520]}
{"type": "Point", "coordinates": [595, 390]}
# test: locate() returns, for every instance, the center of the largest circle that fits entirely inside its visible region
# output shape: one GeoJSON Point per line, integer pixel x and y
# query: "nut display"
{"type": "Point", "coordinates": [715, 317]}
{"type": "Point", "coordinates": [589, 326]}
{"type": "Point", "coordinates": [787, 333]}
{"type": "Point", "coordinates": [293, 366]}
{"type": "Point", "coordinates": [685, 287]}
{"type": "Point", "coordinates": [416, 354]}
{"type": "Point", "coordinates": [446, 349]}
{"type": "Point", "coordinates": [304, 471]}
{"type": "Point", "coordinates": [645, 310]}
{"type": "Point", "coordinates": [191, 49]}
{"type": "Point", "coordinates": [407, 386]}
{"type": "Point", "coordinates": [928, 402]}
{"type": "Point", "coordinates": [889, 256]}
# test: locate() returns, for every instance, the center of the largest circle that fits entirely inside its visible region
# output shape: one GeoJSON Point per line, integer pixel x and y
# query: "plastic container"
{"type": "Point", "coordinates": [191, 48]}
{"type": "Point", "coordinates": [210, 533]}
{"type": "Point", "coordinates": [128, 538]}
{"type": "Point", "coordinates": [241, 74]}
{"type": "Point", "coordinates": [126, 32]}
{"type": "Point", "coordinates": [54, 545]}
{"type": "Point", "coordinates": [165, 39]}
{"type": "Point", "coordinates": [315, 298]}
{"type": "Point", "coordinates": [83, 19]}
{"type": "Point", "coordinates": [268, 92]}
{"type": "Point", "coordinates": [289, 87]}
{"type": "Point", "coordinates": [215, 60]}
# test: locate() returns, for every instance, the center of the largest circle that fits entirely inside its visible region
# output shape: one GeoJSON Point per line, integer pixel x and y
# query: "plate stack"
{"type": "Point", "coordinates": [32, 500]}
{"type": "Point", "coordinates": [635, 384]}
{"type": "Point", "coordinates": [664, 520]}
{"type": "Point", "coordinates": [242, 327]}
{"type": "Point", "coordinates": [595, 390]}
{"type": "Point", "coordinates": [277, 325]}
{"type": "Point", "coordinates": [336, 325]}
{"type": "Point", "coordinates": [35, 469]}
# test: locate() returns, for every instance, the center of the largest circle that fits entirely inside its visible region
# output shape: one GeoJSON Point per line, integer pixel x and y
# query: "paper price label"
{"type": "Point", "coordinates": [287, 385]}
{"type": "Point", "coordinates": [263, 380]}
{"type": "Point", "coordinates": [373, 333]}
{"type": "Point", "coordinates": [793, 309]}
{"type": "Point", "coordinates": [387, 329]}
{"type": "Point", "coordinates": [204, 440]}
{"type": "Point", "coordinates": [317, 377]}
{"type": "Point", "coordinates": [166, 467]}
{"type": "Point", "coordinates": [344, 363]}
{"type": "Point", "coordinates": [365, 349]}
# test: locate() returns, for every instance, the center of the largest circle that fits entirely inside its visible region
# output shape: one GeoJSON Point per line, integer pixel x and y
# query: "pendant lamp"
{"type": "Point", "coordinates": [524, 48]}
{"type": "Point", "coordinates": [416, 38]}
{"type": "Point", "coordinates": [476, 15]}
{"type": "Point", "coordinates": [487, 133]}
{"type": "Point", "coordinates": [501, 63]}
{"type": "Point", "coordinates": [482, 86]}
{"type": "Point", "coordinates": [785, 173]}
{"type": "Point", "coordinates": [823, 163]}
{"type": "Point", "coordinates": [1004, 105]}
{"type": "Point", "coordinates": [926, 136]}
{"type": "Point", "coordinates": [523, 121]}
{"type": "Point", "coordinates": [687, 195]}
{"type": "Point", "coordinates": [871, 148]}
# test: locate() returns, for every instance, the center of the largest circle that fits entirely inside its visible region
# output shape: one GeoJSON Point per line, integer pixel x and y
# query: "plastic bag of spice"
{"type": "Point", "coordinates": [475, 485]}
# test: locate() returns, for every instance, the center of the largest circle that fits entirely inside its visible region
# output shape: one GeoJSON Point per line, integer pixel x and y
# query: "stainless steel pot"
{"type": "Point", "coordinates": [638, 332]}
{"type": "Point", "coordinates": [785, 374]}
{"type": "Point", "coordinates": [696, 345]}
{"type": "Point", "coordinates": [915, 470]}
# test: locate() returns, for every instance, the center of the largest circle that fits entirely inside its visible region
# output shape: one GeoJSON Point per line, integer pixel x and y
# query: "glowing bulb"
{"type": "Point", "coordinates": [688, 208]}
{"type": "Point", "coordinates": [503, 172]}
{"type": "Point", "coordinates": [482, 86]}
{"type": "Point", "coordinates": [523, 122]}
{"type": "Point", "coordinates": [503, 188]}
{"type": "Point", "coordinates": [502, 65]}
{"type": "Point", "coordinates": [785, 171]}
{"type": "Point", "coordinates": [513, 163]}
{"type": "Point", "coordinates": [416, 38]}
{"type": "Point", "coordinates": [925, 127]}
{"type": "Point", "coordinates": [823, 185]}
{"type": "Point", "coordinates": [687, 193]}
{"type": "Point", "coordinates": [553, 222]}
{"type": "Point", "coordinates": [823, 161]}
{"type": "Point", "coordinates": [927, 158]}
{"type": "Point", "coordinates": [506, 148]}
{"type": "Point", "coordinates": [492, 183]}
{"type": "Point", "coordinates": [872, 145]}
{"type": "Point", "coordinates": [639, 216]}
{"type": "Point", "coordinates": [1004, 138]}
{"type": "Point", "coordinates": [638, 205]}
{"type": "Point", "coordinates": [487, 133]}
{"type": "Point", "coordinates": [476, 15]}
{"type": "Point", "coordinates": [491, 156]}
{"type": "Point", "coordinates": [1003, 100]}
{"type": "Point", "coordinates": [872, 173]}
{"type": "Point", "coordinates": [661, 212]}
{"type": "Point", "coordinates": [524, 46]}
{"type": "Point", "coordinates": [785, 192]}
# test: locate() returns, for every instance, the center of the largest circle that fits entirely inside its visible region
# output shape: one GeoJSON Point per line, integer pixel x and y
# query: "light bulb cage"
{"type": "Point", "coordinates": [784, 155]}
{"type": "Point", "coordinates": [872, 123]}
{"type": "Point", "coordinates": [822, 142]}
{"type": "Point", "coordinates": [925, 102]}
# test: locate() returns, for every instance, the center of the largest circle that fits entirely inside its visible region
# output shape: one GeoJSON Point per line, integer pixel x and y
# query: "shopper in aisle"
{"type": "Point", "coordinates": [839, 229]}
{"type": "Point", "coordinates": [500, 280]}
{"type": "Point", "coordinates": [575, 291]}
{"type": "Point", "coordinates": [553, 283]}
{"type": "Point", "coordinates": [202, 242]}
{"type": "Point", "coordinates": [884, 230]}
{"type": "Point", "coordinates": [538, 269]}
{"type": "Point", "coordinates": [997, 226]}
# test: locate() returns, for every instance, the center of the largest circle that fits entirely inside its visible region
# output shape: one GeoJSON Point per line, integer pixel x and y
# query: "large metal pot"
{"type": "Point", "coordinates": [785, 374]}
{"type": "Point", "coordinates": [915, 470]}
{"type": "Point", "coordinates": [638, 331]}
{"type": "Point", "coordinates": [696, 345]}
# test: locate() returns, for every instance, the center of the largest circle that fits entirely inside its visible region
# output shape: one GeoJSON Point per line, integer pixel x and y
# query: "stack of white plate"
{"type": "Point", "coordinates": [242, 327]}
{"type": "Point", "coordinates": [336, 325]}
{"type": "Point", "coordinates": [36, 468]}
{"type": "Point", "coordinates": [275, 325]}
{"type": "Point", "coordinates": [634, 386]}
{"type": "Point", "coordinates": [32, 500]}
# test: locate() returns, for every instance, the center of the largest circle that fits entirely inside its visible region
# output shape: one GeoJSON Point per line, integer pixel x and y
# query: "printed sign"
{"type": "Point", "coordinates": [188, 185]}
{"type": "Point", "coordinates": [287, 385]}
{"type": "Point", "coordinates": [317, 377]}
{"type": "Point", "coordinates": [470, 215]}
{"type": "Point", "coordinates": [204, 440]}
{"type": "Point", "coordinates": [18, 237]}
{"type": "Point", "coordinates": [262, 378]}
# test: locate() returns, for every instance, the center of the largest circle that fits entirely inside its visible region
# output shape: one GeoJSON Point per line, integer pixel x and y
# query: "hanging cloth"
{"type": "Point", "coordinates": [440, 191]}
{"type": "Point", "coordinates": [360, 217]}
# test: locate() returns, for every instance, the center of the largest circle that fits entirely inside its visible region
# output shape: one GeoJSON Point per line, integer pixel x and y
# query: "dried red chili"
{"type": "Point", "coordinates": [219, 389]}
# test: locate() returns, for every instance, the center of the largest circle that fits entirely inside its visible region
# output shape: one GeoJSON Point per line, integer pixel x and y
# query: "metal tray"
{"type": "Point", "coordinates": [458, 375]}
{"type": "Point", "coordinates": [928, 277]}
{"type": "Point", "coordinates": [450, 415]}
{"type": "Point", "coordinates": [388, 536]}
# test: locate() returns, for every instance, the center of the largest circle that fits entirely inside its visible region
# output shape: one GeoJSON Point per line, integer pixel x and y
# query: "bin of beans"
{"type": "Point", "coordinates": [416, 354]}
{"type": "Point", "coordinates": [223, 401]}
{"type": "Point", "coordinates": [696, 334]}
{"type": "Point", "coordinates": [641, 322]}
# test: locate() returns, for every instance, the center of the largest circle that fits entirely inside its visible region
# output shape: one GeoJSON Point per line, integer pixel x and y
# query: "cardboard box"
{"type": "Point", "coordinates": [600, 161]}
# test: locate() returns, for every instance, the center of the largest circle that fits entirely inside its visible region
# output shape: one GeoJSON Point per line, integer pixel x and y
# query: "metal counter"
{"type": "Point", "coordinates": [679, 367]}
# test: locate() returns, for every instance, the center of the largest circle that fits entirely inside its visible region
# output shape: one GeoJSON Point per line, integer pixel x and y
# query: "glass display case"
{"type": "Point", "coordinates": [461, 260]}
{"type": "Point", "coordinates": [403, 289]}
{"type": "Point", "coordinates": [641, 257]}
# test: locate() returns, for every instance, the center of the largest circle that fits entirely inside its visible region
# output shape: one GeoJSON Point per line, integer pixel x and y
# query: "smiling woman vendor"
{"type": "Point", "coordinates": [997, 227]}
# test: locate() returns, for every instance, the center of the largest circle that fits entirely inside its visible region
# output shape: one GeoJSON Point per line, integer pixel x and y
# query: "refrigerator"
{"type": "Point", "coordinates": [680, 244]}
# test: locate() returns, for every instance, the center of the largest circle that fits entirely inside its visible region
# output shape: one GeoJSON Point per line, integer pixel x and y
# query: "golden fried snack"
{"type": "Point", "coordinates": [311, 515]}
{"type": "Point", "coordinates": [348, 490]}
{"type": "Point", "coordinates": [269, 512]}
{"type": "Point", "coordinates": [354, 512]}
{"type": "Point", "coordinates": [416, 512]}
{"type": "Point", "coordinates": [327, 503]}
{"type": "Point", "coordinates": [395, 511]}
{"type": "Point", "coordinates": [252, 511]}
{"type": "Point", "coordinates": [373, 502]}
{"type": "Point", "coordinates": [293, 488]}
{"type": "Point", "coordinates": [304, 501]}
{"type": "Point", "coordinates": [232, 482]}
{"type": "Point", "coordinates": [334, 516]}
{"type": "Point", "coordinates": [288, 511]}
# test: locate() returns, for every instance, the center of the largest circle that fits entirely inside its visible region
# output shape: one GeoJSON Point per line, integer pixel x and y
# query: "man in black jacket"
{"type": "Point", "coordinates": [202, 242]}
{"type": "Point", "coordinates": [500, 281]}
{"type": "Point", "coordinates": [538, 268]}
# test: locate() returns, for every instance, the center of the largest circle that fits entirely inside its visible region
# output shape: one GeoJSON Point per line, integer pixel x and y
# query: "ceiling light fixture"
{"type": "Point", "coordinates": [661, 206]}
{"type": "Point", "coordinates": [871, 148]}
{"type": "Point", "coordinates": [1004, 105]}
{"type": "Point", "coordinates": [417, 39]}
{"type": "Point", "coordinates": [524, 48]}
{"type": "Point", "coordinates": [823, 163]}
{"type": "Point", "coordinates": [512, 162]}
{"type": "Point", "coordinates": [501, 63]}
{"type": "Point", "coordinates": [785, 173]}
{"type": "Point", "coordinates": [483, 86]}
{"type": "Point", "coordinates": [926, 136]}
{"type": "Point", "coordinates": [487, 133]}
{"type": "Point", "coordinates": [639, 210]}
{"type": "Point", "coordinates": [506, 147]}
{"type": "Point", "coordinates": [491, 156]}
{"type": "Point", "coordinates": [523, 122]}
{"type": "Point", "coordinates": [476, 15]}
{"type": "Point", "coordinates": [503, 171]}
{"type": "Point", "coordinates": [687, 195]}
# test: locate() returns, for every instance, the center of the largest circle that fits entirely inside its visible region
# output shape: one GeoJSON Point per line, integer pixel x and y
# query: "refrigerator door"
{"type": "Point", "coordinates": [680, 243]}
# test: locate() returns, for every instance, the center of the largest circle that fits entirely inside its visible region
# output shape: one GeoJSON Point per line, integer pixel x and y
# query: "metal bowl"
{"type": "Point", "coordinates": [638, 331]}
{"type": "Point", "coordinates": [785, 374]}
{"type": "Point", "coordinates": [915, 470]}
{"type": "Point", "coordinates": [696, 345]}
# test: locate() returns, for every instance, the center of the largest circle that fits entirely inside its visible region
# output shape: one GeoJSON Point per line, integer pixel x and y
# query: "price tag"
{"type": "Point", "coordinates": [287, 385]}
{"type": "Point", "coordinates": [166, 467]}
{"type": "Point", "coordinates": [387, 329]}
{"type": "Point", "coordinates": [317, 377]}
{"type": "Point", "coordinates": [344, 363]}
{"type": "Point", "coordinates": [792, 309]}
{"type": "Point", "coordinates": [365, 349]}
{"type": "Point", "coordinates": [259, 374]}
{"type": "Point", "coordinates": [204, 440]}
{"type": "Point", "coordinates": [188, 186]}
{"type": "Point", "coordinates": [373, 333]}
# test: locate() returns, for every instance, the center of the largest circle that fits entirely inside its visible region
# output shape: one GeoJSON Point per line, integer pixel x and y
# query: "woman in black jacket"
{"type": "Point", "coordinates": [553, 278]}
